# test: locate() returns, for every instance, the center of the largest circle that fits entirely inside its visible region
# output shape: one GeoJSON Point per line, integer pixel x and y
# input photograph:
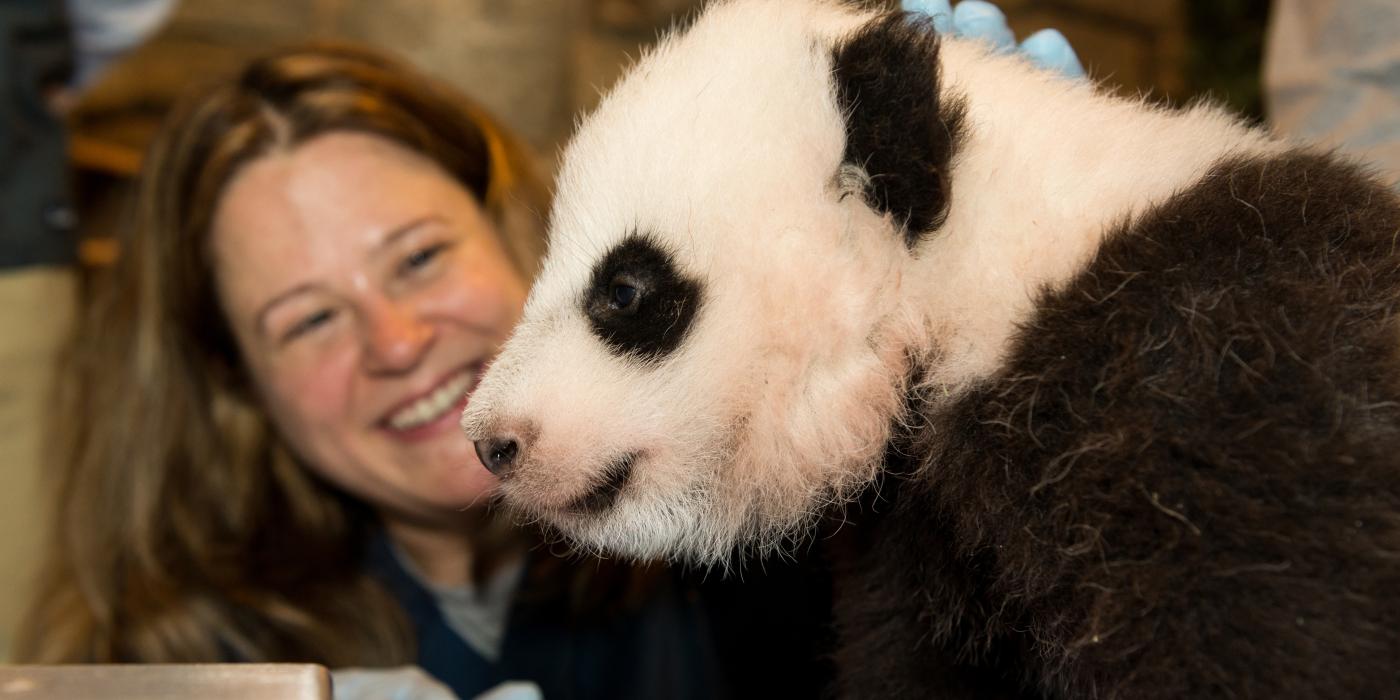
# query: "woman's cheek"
{"type": "Point", "coordinates": [315, 388]}
{"type": "Point", "coordinates": [483, 299]}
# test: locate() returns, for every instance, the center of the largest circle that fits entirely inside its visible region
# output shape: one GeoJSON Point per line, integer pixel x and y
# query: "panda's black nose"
{"type": "Point", "coordinates": [497, 454]}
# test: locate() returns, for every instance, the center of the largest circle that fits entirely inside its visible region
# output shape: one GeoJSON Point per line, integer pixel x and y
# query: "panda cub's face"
{"type": "Point", "coordinates": [706, 357]}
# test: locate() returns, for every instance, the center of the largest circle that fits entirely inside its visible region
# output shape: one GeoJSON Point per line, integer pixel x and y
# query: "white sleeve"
{"type": "Point", "coordinates": [104, 30]}
{"type": "Point", "coordinates": [399, 683]}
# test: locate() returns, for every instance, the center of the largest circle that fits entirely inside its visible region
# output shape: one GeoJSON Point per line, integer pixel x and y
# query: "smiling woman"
{"type": "Point", "coordinates": [257, 447]}
{"type": "Point", "coordinates": [365, 315]}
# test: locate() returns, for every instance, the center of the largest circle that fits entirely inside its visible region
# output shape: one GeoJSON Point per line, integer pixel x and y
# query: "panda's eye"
{"type": "Point", "coordinates": [638, 302]}
{"type": "Point", "coordinates": [622, 295]}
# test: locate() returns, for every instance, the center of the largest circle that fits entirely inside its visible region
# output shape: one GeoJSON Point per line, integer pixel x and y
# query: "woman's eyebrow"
{"type": "Point", "coordinates": [404, 229]}
{"type": "Point", "coordinates": [260, 321]}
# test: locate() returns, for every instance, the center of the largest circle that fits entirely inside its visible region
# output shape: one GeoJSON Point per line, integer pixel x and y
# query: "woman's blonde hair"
{"type": "Point", "coordinates": [184, 529]}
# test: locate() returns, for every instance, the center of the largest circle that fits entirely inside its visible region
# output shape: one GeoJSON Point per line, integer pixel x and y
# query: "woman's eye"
{"type": "Point", "coordinates": [308, 324]}
{"type": "Point", "coordinates": [622, 295]}
{"type": "Point", "coordinates": [421, 258]}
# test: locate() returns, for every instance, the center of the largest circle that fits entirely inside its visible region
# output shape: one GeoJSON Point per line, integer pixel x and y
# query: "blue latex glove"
{"type": "Point", "coordinates": [982, 20]}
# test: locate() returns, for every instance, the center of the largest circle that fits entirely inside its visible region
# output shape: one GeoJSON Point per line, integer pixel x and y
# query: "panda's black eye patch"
{"type": "Point", "coordinates": [638, 302]}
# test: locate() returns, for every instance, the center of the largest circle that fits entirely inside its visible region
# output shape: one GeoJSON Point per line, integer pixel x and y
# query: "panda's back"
{"type": "Point", "coordinates": [1183, 480]}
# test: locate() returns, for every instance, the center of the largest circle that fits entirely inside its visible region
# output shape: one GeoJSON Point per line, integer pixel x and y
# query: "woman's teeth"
{"type": "Point", "coordinates": [434, 405]}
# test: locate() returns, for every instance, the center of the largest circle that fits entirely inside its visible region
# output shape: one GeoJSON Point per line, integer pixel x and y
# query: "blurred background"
{"type": "Point", "coordinates": [538, 64]}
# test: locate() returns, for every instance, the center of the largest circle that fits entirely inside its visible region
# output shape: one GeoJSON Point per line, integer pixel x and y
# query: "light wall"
{"type": "Point", "coordinates": [37, 306]}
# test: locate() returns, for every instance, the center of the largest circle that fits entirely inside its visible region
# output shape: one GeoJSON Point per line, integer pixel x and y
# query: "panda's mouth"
{"type": "Point", "coordinates": [605, 492]}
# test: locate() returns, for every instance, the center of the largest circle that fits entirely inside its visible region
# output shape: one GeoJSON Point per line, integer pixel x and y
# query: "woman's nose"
{"type": "Point", "coordinates": [396, 337]}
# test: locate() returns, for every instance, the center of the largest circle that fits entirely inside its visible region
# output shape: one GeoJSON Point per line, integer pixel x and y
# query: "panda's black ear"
{"type": "Point", "coordinates": [901, 130]}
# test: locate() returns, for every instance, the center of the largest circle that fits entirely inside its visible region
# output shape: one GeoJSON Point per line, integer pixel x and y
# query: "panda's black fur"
{"type": "Point", "coordinates": [656, 316]}
{"type": "Point", "coordinates": [901, 131]}
{"type": "Point", "coordinates": [1183, 483]}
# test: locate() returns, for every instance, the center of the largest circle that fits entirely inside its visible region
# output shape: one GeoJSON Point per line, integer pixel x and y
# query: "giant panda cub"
{"type": "Point", "coordinates": [1119, 384]}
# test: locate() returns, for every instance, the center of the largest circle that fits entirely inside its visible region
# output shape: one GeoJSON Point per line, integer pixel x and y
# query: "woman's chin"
{"type": "Point", "coordinates": [456, 485]}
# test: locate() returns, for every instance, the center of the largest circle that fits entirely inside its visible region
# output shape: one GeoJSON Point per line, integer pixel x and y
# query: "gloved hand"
{"type": "Point", "coordinates": [513, 690]}
{"type": "Point", "coordinates": [982, 20]}
{"type": "Point", "coordinates": [413, 683]}
{"type": "Point", "coordinates": [399, 683]}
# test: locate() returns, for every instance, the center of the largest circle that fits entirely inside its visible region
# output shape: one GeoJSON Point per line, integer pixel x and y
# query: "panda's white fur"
{"type": "Point", "coordinates": [725, 143]}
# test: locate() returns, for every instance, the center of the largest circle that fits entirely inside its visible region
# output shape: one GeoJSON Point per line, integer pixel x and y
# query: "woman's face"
{"type": "Point", "coordinates": [367, 289]}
